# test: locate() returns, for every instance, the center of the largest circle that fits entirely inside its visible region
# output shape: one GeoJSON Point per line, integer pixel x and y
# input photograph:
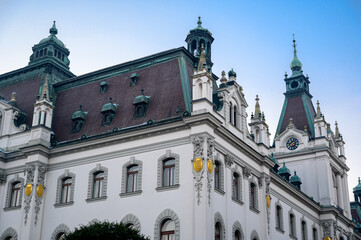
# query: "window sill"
{"type": "Point", "coordinates": [280, 230]}
{"type": "Point", "coordinates": [63, 204]}
{"type": "Point", "coordinates": [219, 191]}
{"type": "Point", "coordinates": [293, 237]}
{"type": "Point", "coordinates": [129, 194]}
{"type": "Point", "coordinates": [96, 199]}
{"type": "Point", "coordinates": [237, 201]}
{"type": "Point", "coordinates": [161, 189]}
{"type": "Point", "coordinates": [254, 210]}
{"type": "Point", "coordinates": [12, 208]}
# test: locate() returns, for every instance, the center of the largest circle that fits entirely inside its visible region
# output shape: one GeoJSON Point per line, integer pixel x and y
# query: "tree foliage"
{"type": "Point", "coordinates": [105, 230]}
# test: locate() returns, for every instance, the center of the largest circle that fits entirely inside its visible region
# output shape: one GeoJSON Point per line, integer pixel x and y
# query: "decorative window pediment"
{"type": "Point", "coordinates": [134, 79]}
{"type": "Point", "coordinates": [108, 111]}
{"type": "Point", "coordinates": [78, 119]}
{"type": "Point", "coordinates": [140, 103]}
{"type": "Point", "coordinates": [104, 86]}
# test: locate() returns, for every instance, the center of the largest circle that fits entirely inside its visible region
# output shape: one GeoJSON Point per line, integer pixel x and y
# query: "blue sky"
{"type": "Point", "coordinates": [253, 37]}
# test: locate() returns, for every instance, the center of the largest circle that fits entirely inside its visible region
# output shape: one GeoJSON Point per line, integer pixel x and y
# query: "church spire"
{"type": "Point", "coordinates": [296, 65]}
{"type": "Point", "coordinates": [45, 91]}
{"type": "Point", "coordinates": [318, 114]}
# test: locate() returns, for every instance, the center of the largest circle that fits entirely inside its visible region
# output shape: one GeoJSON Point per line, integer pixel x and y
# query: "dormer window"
{"type": "Point", "coordinates": [108, 111]}
{"type": "Point", "coordinates": [78, 119]}
{"type": "Point", "coordinates": [134, 79]}
{"type": "Point", "coordinates": [141, 105]}
{"type": "Point", "coordinates": [103, 86]}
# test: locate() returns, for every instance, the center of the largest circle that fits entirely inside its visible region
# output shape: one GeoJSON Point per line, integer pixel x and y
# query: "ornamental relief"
{"type": "Point", "coordinates": [198, 166]}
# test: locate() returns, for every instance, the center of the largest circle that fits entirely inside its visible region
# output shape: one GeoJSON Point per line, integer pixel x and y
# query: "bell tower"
{"type": "Point", "coordinates": [297, 104]}
{"type": "Point", "coordinates": [196, 38]}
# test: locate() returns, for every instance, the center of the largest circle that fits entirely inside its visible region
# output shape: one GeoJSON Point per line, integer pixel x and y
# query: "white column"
{"type": "Point", "coordinates": [340, 194]}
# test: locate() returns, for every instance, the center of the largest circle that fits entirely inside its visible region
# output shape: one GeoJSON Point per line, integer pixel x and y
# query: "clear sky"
{"type": "Point", "coordinates": [254, 37]}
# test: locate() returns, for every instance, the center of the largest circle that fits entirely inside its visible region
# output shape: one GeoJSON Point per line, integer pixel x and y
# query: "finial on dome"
{"type": "Point", "coordinates": [296, 65]}
{"type": "Point", "coordinates": [199, 22]}
{"type": "Point", "coordinates": [53, 30]}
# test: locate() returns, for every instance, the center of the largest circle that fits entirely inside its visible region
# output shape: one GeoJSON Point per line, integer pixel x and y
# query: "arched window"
{"type": "Point", "coordinates": [253, 204]}
{"type": "Point", "coordinates": [237, 235]}
{"type": "Point", "coordinates": [230, 112]}
{"type": "Point", "coordinates": [218, 231]}
{"type": "Point", "coordinates": [235, 116]}
{"type": "Point", "coordinates": [98, 184]}
{"type": "Point", "coordinates": [217, 175]}
{"type": "Point", "coordinates": [66, 190]}
{"type": "Point", "coordinates": [15, 194]}
{"type": "Point", "coordinates": [319, 129]}
{"type": "Point", "coordinates": [235, 186]}
{"type": "Point", "coordinates": [292, 225]}
{"type": "Point", "coordinates": [200, 90]}
{"type": "Point", "coordinates": [168, 172]}
{"type": "Point", "coordinates": [314, 234]}
{"type": "Point", "coordinates": [279, 218]}
{"type": "Point", "coordinates": [60, 236]}
{"type": "Point", "coordinates": [132, 178]}
{"type": "Point", "coordinates": [303, 230]}
{"type": "Point", "coordinates": [167, 230]}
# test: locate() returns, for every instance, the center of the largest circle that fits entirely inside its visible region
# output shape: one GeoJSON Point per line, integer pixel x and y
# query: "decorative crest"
{"type": "Point", "coordinates": [45, 92]}
{"type": "Point", "coordinates": [53, 30]}
{"type": "Point", "coordinates": [337, 131]}
{"type": "Point", "coordinates": [223, 78]}
{"type": "Point", "coordinates": [257, 109]}
{"type": "Point", "coordinates": [199, 22]}
{"type": "Point", "coordinates": [318, 114]}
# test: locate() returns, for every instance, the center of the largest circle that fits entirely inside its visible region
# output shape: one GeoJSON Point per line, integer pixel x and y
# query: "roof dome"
{"type": "Point", "coordinates": [295, 179]}
{"type": "Point", "coordinates": [232, 73]}
{"type": "Point", "coordinates": [53, 31]}
{"type": "Point", "coordinates": [284, 170]}
{"type": "Point", "coordinates": [358, 187]}
{"type": "Point", "coordinates": [200, 28]}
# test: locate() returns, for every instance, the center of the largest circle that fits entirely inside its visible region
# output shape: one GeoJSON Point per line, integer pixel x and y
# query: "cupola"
{"type": "Point", "coordinates": [232, 75]}
{"type": "Point", "coordinates": [284, 172]}
{"type": "Point", "coordinates": [296, 181]}
{"type": "Point", "coordinates": [78, 119]}
{"type": "Point", "coordinates": [140, 105]}
{"type": "Point", "coordinates": [357, 191]}
{"type": "Point", "coordinates": [198, 36]}
{"type": "Point", "coordinates": [108, 111]}
{"type": "Point", "coordinates": [276, 164]}
{"type": "Point", "coordinates": [51, 48]}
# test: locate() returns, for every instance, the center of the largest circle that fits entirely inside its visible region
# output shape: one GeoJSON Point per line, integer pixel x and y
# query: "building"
{"type": "Point", "coordinates": [159, 144]}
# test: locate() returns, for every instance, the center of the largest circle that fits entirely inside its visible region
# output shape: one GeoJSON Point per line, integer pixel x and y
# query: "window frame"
{"type": "Point", "coordinates": [292, 225]}
{"type": "Point", "coordinates": [164, 215]}
{"type": "Point", "coordinates": [9, 194]}
{"type": "Point", "coordinates": [160, 174]}
{"type": "Point", "coordinates": [279, 217]}
{"type": "Point", "coordinates": [253, 197]}
{"type": "Point", "coordinates": [236, 190]}
{"type": "Point", "coordinates": [124, 185]}
{"type": "Point", "coordinates": [91, 182]}
{"type": "Point", "coordinates": [171, 173]}
{"type": "Point", "coordinates": [58, 199]}
{"type": "Point", "coordinates": [218, 164]}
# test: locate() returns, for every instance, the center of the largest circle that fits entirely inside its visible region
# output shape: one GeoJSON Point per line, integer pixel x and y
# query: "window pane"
{"type": "Point", "coordinates": [166, 177]}
{"type": "Point", "coordinates": [169, 162]}
{"type": "Point", "coordinates": [101, 182]}
{"type": "Point", "coordinates": [95, 189]}
{"type": "Point", "coordinates": [135, 180]}
{"type": "Point", "coordinates": [172, 176]}
{"type": "Point", "coordinates": [130, 183]}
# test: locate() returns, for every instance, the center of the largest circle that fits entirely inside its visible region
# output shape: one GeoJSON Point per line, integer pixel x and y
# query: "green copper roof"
{"type": "Point", "coordinates": [53, 31]}
{"type": "Point", "coordinates": [274, 159]}
{"type": "Point", "coordinates": [296, 64]}
{"type": "Point", "coordinates": [232, 73]}
{"type": "Point", "coordinates": [141, 98]}
{"type": "Point", "coordinates": [358, 187]}
{"type": "Point", "coordinates": [200, 28]}
{"type": "Point", "coordinates": [109, 107]}
{"type": "Point", "coordinates": [284, 170]}
{"type": "Point", "coordinates": [295, 179]}
{"type": "Point", "coordinates": [79, 114]}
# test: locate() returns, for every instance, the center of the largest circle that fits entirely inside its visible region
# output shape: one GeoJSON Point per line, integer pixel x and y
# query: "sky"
{"type": "Point", "coordinates": [253, 37]}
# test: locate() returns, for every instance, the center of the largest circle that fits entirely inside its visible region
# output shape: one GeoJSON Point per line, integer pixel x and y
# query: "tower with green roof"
{"type": "Point", "coordinates": [196, 38]}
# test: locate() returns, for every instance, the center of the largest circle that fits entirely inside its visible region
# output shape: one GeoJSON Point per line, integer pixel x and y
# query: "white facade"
{"type": "Point", "coordinates": [221, 178]}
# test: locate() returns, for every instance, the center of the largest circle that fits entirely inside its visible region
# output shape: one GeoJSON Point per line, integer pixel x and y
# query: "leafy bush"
{"type": "Point", "coordinates": [104, 231]}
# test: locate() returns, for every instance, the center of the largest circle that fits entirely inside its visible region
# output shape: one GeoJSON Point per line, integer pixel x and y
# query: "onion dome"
{"type": "Point", "coordinates": [232, 73]}
{"type": "Point", "coordinates": [296, 181]}
{"type": "Point", "coordinates": [358, 187]}
{"type": "Point", "coordinates": [284, 172]}
{"type": "Point", "coordinates": [276, 166]}
{"type": "Point", "coordinates": [109, 107]}
{"type": "Point", "coordinates": [141, 99]}
{"type": "Point", "coordinates": [52, 37]}
{"type": "Point", "coordinates": [80, 114]}
{"type": "Point", "coordinates": [296, 65]}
